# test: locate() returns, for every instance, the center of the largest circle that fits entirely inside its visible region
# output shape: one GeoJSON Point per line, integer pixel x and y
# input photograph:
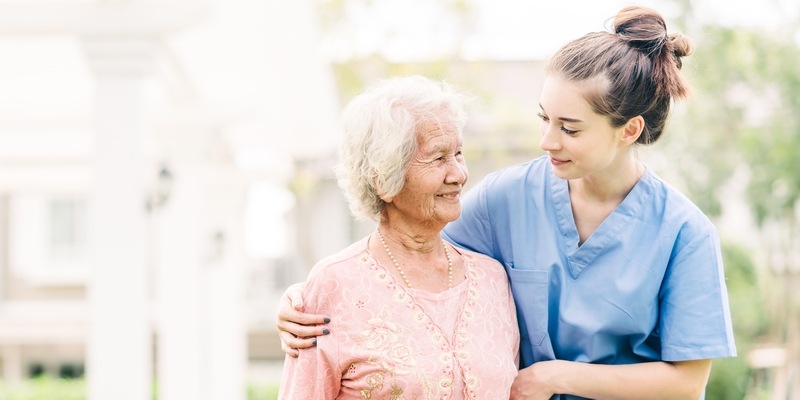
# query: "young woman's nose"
{"type": "Point", "coordinates": [550, 138]}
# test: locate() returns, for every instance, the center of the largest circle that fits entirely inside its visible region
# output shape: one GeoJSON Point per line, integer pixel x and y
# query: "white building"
{"type": "Point", "coordinates": [132, 136]}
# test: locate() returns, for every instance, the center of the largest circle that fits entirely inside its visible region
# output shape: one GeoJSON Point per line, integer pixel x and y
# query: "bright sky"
{"type": "Point", "coordinates": [519, 29]}
{"type": "Point", "coordinates": [233, 54]}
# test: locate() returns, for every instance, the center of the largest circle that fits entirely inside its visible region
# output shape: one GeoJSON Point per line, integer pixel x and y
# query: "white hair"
{"type": "Point", "coordinates": [380, 137]}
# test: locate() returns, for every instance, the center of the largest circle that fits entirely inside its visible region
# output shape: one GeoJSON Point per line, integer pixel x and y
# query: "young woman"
{"type": "Point", "coordinates": [617, 277]}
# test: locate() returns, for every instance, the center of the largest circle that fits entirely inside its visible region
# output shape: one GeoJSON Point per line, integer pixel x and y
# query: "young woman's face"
{"type": "Point", "coordinates": [579, 141]}
{"type": "Point", "coordinates": [435, 177]}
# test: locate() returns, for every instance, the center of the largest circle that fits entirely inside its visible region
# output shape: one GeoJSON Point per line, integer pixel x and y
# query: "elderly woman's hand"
{"type": "Point", "coordinates": [297, 329]}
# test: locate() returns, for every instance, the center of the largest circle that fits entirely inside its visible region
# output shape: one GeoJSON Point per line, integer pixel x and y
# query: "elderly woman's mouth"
{"type": "Point", "coordinates": [450, 195]}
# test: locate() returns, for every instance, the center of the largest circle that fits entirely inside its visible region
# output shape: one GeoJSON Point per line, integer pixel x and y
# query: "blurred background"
{"type": "Point", "coordinates": [165, 171]}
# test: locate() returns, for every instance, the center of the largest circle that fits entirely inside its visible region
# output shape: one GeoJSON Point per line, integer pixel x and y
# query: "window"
{"type": "Point", "coordinates": [67, 228]}
{"type": "Point", "coordinates": [48, 238]}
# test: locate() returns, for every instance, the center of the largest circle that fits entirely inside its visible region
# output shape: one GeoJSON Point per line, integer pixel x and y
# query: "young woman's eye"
{"type": "Point", "coordinates": [543, 117]}
{"type": "Point", "coordinates": [568, 131]}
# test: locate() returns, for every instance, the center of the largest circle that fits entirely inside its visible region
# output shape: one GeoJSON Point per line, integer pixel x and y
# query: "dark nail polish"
{"type": "Point", "coordinates": [315, 342]}
{"type": "Point", "coordinates": [326, 331]}
{"type": "Point", "coordinates": [326, 320]}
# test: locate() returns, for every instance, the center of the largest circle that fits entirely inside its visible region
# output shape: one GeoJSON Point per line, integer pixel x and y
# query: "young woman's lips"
{"type": "Point", "coordinates": [557, 162]}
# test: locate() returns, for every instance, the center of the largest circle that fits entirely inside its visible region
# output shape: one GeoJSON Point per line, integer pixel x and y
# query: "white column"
{"type": "Point", "coordinates": [201, 327]}
{"type": "Point", "coordinates": [224, 274]}
{"type": "Point", "coordinates": [119, 345]}
{"type": "Point", "coordinates": [178, 294]}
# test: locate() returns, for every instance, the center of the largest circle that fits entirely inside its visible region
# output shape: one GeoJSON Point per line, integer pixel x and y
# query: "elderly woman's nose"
{"type": "Point", "coordinates": [457, 171]}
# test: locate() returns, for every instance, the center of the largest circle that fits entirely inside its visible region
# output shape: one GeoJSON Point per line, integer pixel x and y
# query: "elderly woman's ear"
{"type": "Point", "coordinates": [382, 196]}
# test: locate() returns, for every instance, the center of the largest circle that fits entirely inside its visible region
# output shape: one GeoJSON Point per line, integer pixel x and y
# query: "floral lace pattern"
{"type": "Point", "coordinates": [388, 342]}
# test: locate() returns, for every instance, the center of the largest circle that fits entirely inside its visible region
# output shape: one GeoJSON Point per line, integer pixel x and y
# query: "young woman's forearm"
{"type": "Point", "coordinates": [653, 380]}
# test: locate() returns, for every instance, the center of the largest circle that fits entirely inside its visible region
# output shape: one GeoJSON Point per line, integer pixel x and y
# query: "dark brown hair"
{"type": "Point", "coordinates": [633, 71]}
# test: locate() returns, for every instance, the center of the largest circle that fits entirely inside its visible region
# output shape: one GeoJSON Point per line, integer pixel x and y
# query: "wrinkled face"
{"type": "Point", "coordinates": [579, 141]}
{"type": "Point", "coordinates": [435, 177]}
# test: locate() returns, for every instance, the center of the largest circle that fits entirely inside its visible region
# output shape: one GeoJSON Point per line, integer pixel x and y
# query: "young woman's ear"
{"type": "Point", "coordinates": [632, 130]}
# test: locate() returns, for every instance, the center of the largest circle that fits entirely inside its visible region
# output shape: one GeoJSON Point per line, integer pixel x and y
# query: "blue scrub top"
{"type": "Point", "coordinates": [647, 285]}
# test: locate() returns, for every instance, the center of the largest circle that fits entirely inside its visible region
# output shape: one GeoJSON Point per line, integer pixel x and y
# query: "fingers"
{"type": "Point", "coordinates": [313, 328]}
{"type": "Point", "coordinates": [294, 295]}
{"type": "Point", "coordinates": [289, 351]}
{"type": "Point", "coordinates": [294, 321]}
{"type": "Point", "coordinates": [291, 345]}
{"type": "Point", "coordinates": [298, 330]}
{"type": "Point", "coordinates": [295, 337]}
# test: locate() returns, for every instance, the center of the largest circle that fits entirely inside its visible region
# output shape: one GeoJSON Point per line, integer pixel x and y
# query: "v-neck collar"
{"type": "Point", "coordinates": [581, 257]}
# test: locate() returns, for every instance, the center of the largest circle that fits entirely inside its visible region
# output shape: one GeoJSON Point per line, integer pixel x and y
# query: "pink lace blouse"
{"type": "Point", "coordinates": [388, 342]}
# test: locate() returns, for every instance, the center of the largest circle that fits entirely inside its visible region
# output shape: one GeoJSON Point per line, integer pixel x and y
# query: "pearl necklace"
{"type": "Point", "coordinates": [403, 274]}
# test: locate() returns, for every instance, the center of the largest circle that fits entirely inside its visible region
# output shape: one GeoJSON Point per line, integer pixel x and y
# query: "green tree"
{"type": "Point", "coordinates": [732, 378]}
{"type": "Point", "coordinates": [742, 129]}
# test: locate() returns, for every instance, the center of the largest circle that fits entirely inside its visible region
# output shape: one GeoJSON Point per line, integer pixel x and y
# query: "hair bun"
{"type": "Point", "coordinates": [642, 28]}
{"type": "Point", "coordinates": [681, 45]}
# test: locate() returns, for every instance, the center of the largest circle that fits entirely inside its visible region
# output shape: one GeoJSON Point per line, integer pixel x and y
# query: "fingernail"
{"type": "Point", "coordinates": [326, 320]}
{"type": "Point", "coordinates": [315, 342]}
{"type": "Point", "coordinates": [296, 304]}
{"type": "Point", "coordinates": [325, 331]}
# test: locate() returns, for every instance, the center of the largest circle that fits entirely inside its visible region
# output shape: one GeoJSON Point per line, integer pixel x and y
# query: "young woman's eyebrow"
{"type": "Point", "coordinates": [565, 119]}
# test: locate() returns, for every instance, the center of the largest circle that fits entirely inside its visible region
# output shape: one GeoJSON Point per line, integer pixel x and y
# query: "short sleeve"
{"type": "Point", "coordinates": [695, 321]}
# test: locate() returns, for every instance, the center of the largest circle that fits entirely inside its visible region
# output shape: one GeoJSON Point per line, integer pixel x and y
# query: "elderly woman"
{"type": "Point", "coordinates": [412, 316]}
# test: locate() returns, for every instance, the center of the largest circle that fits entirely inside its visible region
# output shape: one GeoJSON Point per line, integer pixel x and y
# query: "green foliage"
{"type": "Point", "coordinates": [352, 76]}
{"type": "Point", "coordinates": [262, 392]}
{"type": "Point", "coordinates": [730, 377]}
{"type": "Point", "coordinates": [745, 295]}
{"type": "Point", "coordinates": [744, 111]}
{"type": "Point", "coordinates": [45, 388]}
{"type": "Point", "coordinates": [742, 123]}
{"type": "Point", "coordinates": [48, 388]}
{"type": "Point", "coordinates": [773, 150]}
{"type": "Point", "coordinates": [728, 380]}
